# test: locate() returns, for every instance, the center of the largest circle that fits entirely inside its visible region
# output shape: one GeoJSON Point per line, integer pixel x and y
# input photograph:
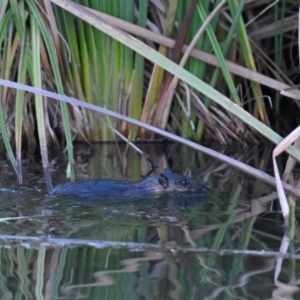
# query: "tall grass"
{"type": "Point", "coordinates": [107, 68]}
{"type": "Point", "coordinates": [180, 72]}
{"type": "Point", "coordinates": [100, 70]}
{"type": "Point", "coordinates": [24, 49]}
{"type": "Point", "coordinates": [104, 72]}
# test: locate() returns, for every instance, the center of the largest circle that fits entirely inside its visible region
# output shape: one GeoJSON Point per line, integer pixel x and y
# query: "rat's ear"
{"type": "Point", "coordinates": [163, 181]}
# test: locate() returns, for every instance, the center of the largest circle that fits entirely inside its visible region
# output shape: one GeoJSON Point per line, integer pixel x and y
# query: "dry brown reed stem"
{"type": "Point", "coordinates": [282, 146]}
{"type": "Point", "coordinates": [290, 164]}
{"type": "Point", "coordinates": [163, 103]}
{"type": "Point", "coordinates": [164, 108]}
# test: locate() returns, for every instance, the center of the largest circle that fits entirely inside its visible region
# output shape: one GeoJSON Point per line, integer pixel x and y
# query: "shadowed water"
{"type": "Point", "coordinates": [175, 247]}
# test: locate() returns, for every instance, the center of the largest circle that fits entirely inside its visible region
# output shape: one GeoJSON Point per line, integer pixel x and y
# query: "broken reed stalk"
{"type": "Point", "coordinates": [282, 146]}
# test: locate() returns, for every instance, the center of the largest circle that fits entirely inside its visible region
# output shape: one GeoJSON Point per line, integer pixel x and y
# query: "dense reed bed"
{"type": "Point", "coordinates": [221, 71]}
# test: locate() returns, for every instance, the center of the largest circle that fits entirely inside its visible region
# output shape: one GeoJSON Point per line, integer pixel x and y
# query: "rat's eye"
{"type": "Point", "coordinates": [183, 182]}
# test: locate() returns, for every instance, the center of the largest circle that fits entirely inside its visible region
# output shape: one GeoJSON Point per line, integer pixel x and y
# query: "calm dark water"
{"type": "Point", "coordinates": [224, 245]}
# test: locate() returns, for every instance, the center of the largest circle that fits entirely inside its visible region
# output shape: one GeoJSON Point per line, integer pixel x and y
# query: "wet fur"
{"type": "Point", "coordinates": [154, 186]}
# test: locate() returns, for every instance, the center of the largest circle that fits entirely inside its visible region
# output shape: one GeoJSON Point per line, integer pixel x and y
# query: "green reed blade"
{"type": "Point", "coordinates": [158, 73]}
{"type": "Point", "coordinates": [54, 63]}
{"type": "Point", "coordinates": [65, 49]}
{"type": "Point", "coordinates": [127, 14]}
{"type": "Point", "coordinates": [247, 230]}
{"type": "Point", "coordinates": [195, 66]}
{"type": "Point", "coordinates": [17, 8]}
{"type": "Point", "coordinates": [280, 11]}
{"type": "Point", "coordinates": [19, 20]}
{"type": "Point", "coordinates": [292, 219]}
{"type": "Point", "coordinates": [68, 25]}
{"type": "Point", "coordinates": [5, 35]}
{"type": "Point", "coordinates": [247, 54]}
{"type": "Point", "coordinates": [84, 61]}
{"type": "Point", "coordinates": [88, 57]}
{"type": "Point", "coordinates": [218, 52]}
{"type": "Point", "coordinates": [136, 97]}
{"type": "Point", "coordinates": [39, 105]}
{"type": "Point", "coordinates": [101, 79]}
{"type": "Point", "coordinates": [225, 46]}
{"type": "Point", "coordinates": [19, 109]}
{"type": "Point", "coordinates": [116, 59]}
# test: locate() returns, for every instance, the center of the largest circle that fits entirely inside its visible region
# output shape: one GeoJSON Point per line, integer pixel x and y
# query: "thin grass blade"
{"type": "Point", "coordinates": [56, 71]}
{"type": "Point", "coordinates": [39, 105]}
{"type": "Point", "coordinates": [19, 108]}
{"type": "Point", "coordinates": [4, 34]}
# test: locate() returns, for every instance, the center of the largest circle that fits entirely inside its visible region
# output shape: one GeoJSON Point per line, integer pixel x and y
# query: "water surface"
{"type": "Point", "coordinates": [223, 245]}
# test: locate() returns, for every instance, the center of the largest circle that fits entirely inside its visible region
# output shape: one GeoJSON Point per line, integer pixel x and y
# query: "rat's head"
{"type": "Point", "coordinates": [173, 182]}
